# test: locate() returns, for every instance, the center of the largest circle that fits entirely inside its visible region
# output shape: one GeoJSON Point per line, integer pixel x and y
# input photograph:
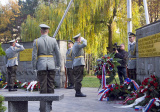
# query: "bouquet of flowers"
{"type": "Point", "coordinates": [110, 64]}
{"type": "Point", "coordinates": [150, 88]}
{"type": "Point", "coordinates": [119, 92]}
{"type": "Point", "coordinates": [31, 86]}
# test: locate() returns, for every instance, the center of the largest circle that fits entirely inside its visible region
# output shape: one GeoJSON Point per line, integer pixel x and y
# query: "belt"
{"type": "Point", "coordinates": [79, 56]}
{"type": "Point", "coordinates": [12, 58]}
{"type": "Point", "coordinates": [132, 58]}
{"type": "Point", "coordinates": [68, 60]}
{"type": "Point", "coordinates": [47, 56]}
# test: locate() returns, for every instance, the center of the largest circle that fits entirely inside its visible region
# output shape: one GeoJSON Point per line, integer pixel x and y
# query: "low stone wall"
{"type": "Point", "coordinates": [148, 50]}
{"type": "Point", "coordinates": [25, 71]}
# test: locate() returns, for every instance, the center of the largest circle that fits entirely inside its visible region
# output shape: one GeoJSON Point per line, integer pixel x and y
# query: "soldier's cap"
{"type": "Point", "coordinates": [70, 41]}
{"type": "Point", "coordinates": [12, 41]}
{"type": "Point", "coordinates": [44, 26]}
{"type": "Point", "coordinates": [77, 36]}
{"type": "Point", "coordinates": [130, 34]}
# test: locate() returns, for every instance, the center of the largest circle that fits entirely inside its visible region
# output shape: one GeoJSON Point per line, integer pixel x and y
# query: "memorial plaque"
{"type": "Point", "coordinates": [25, 55]}
{"type": "Point", "coordinates": [149, 46]}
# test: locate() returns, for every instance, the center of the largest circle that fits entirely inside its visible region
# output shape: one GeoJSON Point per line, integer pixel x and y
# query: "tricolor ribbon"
{"type": "Point", "coordinates": [103, 76]}
{"type": "Point", "coordinates": [149, 106]}
{"type": "Point", "coordinates": [103, 95]}
{"type": "Point", "coordinates": [136, 86]}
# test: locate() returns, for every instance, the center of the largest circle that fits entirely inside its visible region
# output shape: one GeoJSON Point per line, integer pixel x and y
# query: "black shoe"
{"type": "Point", "coordinates": [70, 87]}
{"type": "Point", "coordinates": [80, 95]}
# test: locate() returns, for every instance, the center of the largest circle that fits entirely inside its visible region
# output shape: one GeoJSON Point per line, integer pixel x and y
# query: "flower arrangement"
{"type": "Point", "coordinates": [150, 87]}
{"type": "Point", "coordinates": [119, 92]}
{"type": "Point", "coordinates": [110, 64]}
{"type": "Point", "coordinates": [31, 86]}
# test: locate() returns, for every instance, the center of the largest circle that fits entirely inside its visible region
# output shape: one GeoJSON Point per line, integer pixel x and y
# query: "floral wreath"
{"type": "Point", "coordinates": [110, 63]}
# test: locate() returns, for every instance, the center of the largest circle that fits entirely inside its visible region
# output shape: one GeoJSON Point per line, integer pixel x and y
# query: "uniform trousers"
{"type": "Point", "coordinates": [46, 80]}
{"type": "Point", "coordinates": [70, 76]}
{"type": "Point", "coordinates": [78, 74]}
{"type": "Point", "coordinates": [11, 75]}
{"type": "Point", "coordinates": [132, 74]}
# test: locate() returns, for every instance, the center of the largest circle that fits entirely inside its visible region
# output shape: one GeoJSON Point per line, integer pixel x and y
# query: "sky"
{"type": "Point", "coordinates": [4, 2]}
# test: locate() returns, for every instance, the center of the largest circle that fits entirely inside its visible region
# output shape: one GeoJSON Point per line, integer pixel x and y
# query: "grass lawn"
{"type": "Point", "coordinates": [93, 81]}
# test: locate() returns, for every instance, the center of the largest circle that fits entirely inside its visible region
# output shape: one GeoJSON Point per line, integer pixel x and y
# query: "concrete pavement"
{"type": "Point", "coordinates": [70, 103]}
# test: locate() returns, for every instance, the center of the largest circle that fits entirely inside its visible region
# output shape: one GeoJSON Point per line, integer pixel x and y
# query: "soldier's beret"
{"type": "Point", "coordinates": [44, 26]}
{"type": "Point", "coordinates": [12, 41]}
{"type": "Point", "coordinates": [77, 36]}
{"type": "Point", "coordinates": [130, 34]}
{"type": "Point", "coordinates": [70, 41]}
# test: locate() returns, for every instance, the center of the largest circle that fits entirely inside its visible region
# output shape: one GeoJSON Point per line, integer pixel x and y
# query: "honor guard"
{"type": "Point", "coordinates": [78, 63]}
{"type": "Point", "coordinates": [68, 65]}
{"type": "Point", "coordinates": [132, 56]}
{"type": "Point", "coordinates": [11, 60]}
{"type": "Point", "coordinates": [44, 50]}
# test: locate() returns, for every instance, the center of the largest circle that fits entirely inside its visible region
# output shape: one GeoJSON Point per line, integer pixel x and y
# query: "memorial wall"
{"type": "Point", "coordinates": [148, 50]}
{"type": "Point", "coordinates": [25, 71]}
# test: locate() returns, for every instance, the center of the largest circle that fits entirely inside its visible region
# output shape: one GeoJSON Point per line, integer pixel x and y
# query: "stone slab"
{"type": "Point", "coordinates": [22, 95]}
{"type": "Point", "coordinates": [17, 106]}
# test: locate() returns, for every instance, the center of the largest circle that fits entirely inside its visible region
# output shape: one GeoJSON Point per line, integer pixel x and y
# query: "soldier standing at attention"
{"type": "Point", "coordinates": [69, 65]}
{"type": "Point", "coordinates": [132, 56]}
{"type": "Point", "coordinates": [43, 60]}
{"type": "Point", "coordinates": [11, 60]}
{"type": "Point", "coordinates": [78, 63]}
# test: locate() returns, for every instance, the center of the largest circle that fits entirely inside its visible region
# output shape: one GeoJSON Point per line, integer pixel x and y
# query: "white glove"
{"type": "Point", "coordinates": [35, 72]}
{"type": "Point", "coordinates": [57, 68]}
{"type": "Point", "coordinates": [82, 39]}
{"type": "Point", "coordinates": [18, 45]}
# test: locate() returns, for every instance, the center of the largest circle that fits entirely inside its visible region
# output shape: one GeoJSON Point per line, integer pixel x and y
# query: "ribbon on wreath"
{"type": "Point", "coordinates": [136, 86]}
{"type": "Point", "coordinates": [149, 105]}
{"type": "Point", "coordinates": [128, 80]}
{"type": "Point", "coordinates": [104, 76]}
{"type": "Point", "coordinates": [105, 89]}
{"type": "Point", "coordinates": [127, 99]}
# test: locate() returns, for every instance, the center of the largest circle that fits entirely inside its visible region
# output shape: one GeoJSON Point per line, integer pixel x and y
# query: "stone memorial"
{"type": "Point", "coordinates": [148, 50]}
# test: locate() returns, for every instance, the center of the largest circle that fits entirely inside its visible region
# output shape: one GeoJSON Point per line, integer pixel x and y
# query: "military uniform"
{"type": "Point", "coordinates": [78, 63]}
{"type": "Point", "coordinates": [11, 60]}
{"type": "Point", "coordinates": [69, 67]}
{"type": "Point", "coordinates": [44, 49]}
{"type": "Point", "coordinates": [132, 60]}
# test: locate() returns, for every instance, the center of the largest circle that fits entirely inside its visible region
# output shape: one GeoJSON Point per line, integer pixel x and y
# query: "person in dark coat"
{"type": "Point", "coordinates": [123, 55]}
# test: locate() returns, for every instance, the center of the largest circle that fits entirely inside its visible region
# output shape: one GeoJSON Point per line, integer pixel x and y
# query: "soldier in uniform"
{"type": "Point", "coordinates": [69, 65]}
{"type": "Point", "coordinates": [11, 60]}
{"type": "Point", "coordinates": [132, 56]}
{"type": "Point", "coordinates": [78, 63]}
{"type": "Point", "coordinates": [44, 49]}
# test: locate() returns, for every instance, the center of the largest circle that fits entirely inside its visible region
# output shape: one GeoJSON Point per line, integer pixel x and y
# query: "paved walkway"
{"type": "Point", "coordinates": [70, 103]}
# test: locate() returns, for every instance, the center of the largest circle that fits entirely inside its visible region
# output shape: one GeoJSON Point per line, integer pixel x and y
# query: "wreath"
{"type": "Point", "coordinates": [110, 63]}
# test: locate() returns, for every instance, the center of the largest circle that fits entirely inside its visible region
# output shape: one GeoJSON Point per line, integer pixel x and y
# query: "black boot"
{"type": "Point", "coordinates": [10, 88]}
{"type": "Point", "coordinates": [79, 94]}
{"type": "Point", "coordinates": [70, 86]}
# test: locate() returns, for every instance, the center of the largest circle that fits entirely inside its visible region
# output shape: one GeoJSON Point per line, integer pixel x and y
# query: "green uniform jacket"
{"type": "Point", "coordinates": [78, 53]}
{"type": "Point", "coordinates": [132, 56]}
{"type": "Point", "coordinates": [45, 49]}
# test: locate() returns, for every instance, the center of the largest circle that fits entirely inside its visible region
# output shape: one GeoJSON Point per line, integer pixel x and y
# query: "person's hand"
{"type": "Point", "coordinates": [18, 45]}
{"type": "Point", "coordinates": [35, 72]}
{"type": "Point", "coordinates": [82, 39]}
{"type": "Point", "coordinates": [57, 68]}
{"type": "Point", "coordinates": [116, 51]}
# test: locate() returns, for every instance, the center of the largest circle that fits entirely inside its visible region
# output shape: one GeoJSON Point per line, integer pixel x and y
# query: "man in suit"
{"type": "Point", "coordinates": [132, 56]}
{"type": "Point", "coordinates": [78, 63]}
{"type": "Point", "coordinates": [11, 60]}
{"type": "Point", "coordinates": [44, 50]}
{"type": "Point", "coordinates": [68, 65]}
